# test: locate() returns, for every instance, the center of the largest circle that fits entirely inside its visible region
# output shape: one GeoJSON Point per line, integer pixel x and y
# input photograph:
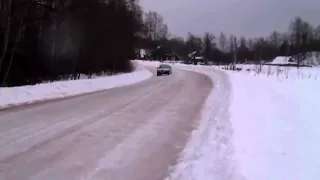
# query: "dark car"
{"type": "Point", "coordinates": [164, 69]}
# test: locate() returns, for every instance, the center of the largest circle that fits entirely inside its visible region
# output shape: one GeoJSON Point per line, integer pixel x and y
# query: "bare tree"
{"type": "Point", "coordinates": [163, 32]}
{"type": "Point", "coordinates": [7, 8]}
{"type": "Point", "coordinates": [275, 38]}
{"type": "Point", "coordinates": [194, 43]}
{"type": "Point", "coordinates": [243, 42]}
{"type": "Point", "coordinates": [233, 49]}
{"type": "Point", "coordinates": [243, 50]}
{"type": "Point", "coordinates": [235, 45]}
{"type": "Point", "coordinates": [250, 44]}
{"type": "Point", "coordinates": [208, 45]}
{"type": "Point", "coordinates": [222, 41]}
{"type": "Point", "coordinates": [300, 33]}
{"type": "Point", "coordinates": [260, 47]}
{"type": "Point", "coordinates": [17, 39]}
{"type": "Point", "coordinates": [49, 39]}
{"type": "Point", "coordinates": [317, 33]}
{"type": "Point", "coordinates": [156, 29]}
{"type": "Point", "coordinates": [316, 39]}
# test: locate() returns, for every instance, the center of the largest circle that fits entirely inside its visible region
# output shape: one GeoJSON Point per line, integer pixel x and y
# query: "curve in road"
{"type": "Point", "coordinates": [132, 132]}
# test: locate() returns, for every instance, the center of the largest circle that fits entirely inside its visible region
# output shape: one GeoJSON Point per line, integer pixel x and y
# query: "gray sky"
{"type": "Point", "coordinates": [250, 18]}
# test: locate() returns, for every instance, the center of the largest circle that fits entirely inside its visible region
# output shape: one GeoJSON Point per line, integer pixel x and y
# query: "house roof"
{"type": "Point", "coordinates": [198, 57]}
{"type": "Point", "coordinates": [195, 55]}
{"type": "Point", "coordinates": [283, 60]}
{"type": "Point", "coordinates": [192, 54]}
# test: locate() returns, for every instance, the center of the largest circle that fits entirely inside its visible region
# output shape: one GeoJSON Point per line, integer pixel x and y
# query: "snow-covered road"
{"type": "Point", "coordinates": [132, 132]}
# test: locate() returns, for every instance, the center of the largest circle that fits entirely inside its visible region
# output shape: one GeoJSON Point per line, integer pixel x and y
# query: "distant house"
{"type": "Point", "coordinates": [283, 61]}
{"type": "Point", "coordinates": [311, 59]}
{"type": "Point", "coordinates": [196, 57]}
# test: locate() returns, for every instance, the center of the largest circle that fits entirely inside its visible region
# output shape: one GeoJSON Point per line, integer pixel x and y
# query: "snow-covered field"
{"type": "Point", "coordinates": [276, 126]}
{"type": "Point", "coordinates": [271, 119]}
{"type": "Point", "coordinates": [280, 72]}
{"type": "Point", "coordinates": [60, 89]}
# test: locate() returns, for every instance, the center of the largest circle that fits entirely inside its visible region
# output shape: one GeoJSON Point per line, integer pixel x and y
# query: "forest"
{"type": "Point", "coordinates": [221, 48]}
{"type": "Point", "coordinates": [50, 40]}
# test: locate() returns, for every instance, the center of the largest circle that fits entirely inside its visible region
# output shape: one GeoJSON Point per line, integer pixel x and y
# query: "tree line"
{"type": "Point", "coordinates": [48, 40]}
{"type": "Point", "coordinates": [300, 39]}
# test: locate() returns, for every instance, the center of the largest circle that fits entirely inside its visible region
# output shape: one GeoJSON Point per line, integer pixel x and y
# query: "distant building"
{"type": "Point", "coordinates": [196, 57]}
{"type": "Point", "coordinates": [283, 61]}
{"type": "Point", "coordinates": [311, 59]}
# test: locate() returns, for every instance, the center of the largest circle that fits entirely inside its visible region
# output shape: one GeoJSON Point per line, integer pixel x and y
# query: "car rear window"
{"type": "Point", "coordinates": [164, 66]}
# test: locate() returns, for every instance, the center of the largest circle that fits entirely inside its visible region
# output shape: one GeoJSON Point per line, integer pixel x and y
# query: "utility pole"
{"type": "Point", "coordinates": [260, 60]}
{"type": "Point", "coordinates": [172, 54]}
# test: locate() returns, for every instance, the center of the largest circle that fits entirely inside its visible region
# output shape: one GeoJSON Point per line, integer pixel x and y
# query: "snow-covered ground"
{"type": "Point", "coordinates": [210, 151]}
{"type": "Point", "coordinates": [276, 126]}
{"type": "Point", "coordinates": [271, 119]}
{"type": "Point", "coordinates": [60, 89]}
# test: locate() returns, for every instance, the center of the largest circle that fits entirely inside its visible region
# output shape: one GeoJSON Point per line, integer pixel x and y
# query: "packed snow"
{"type": "Point", "coordinates": [29, 94]}
{"type": "Point", "coordinates": [271, 118]}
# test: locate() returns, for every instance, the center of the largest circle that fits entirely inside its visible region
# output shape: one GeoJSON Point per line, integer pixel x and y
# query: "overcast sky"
{"type": "Point", "coordinates": [250, 18]}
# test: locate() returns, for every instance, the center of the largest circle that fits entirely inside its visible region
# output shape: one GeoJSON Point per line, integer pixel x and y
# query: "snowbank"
{"type": "Point", "coordinates": [60, 89]}
{"type": "Point", "coordinates": [209, 152]}
{"type": "Point", "coordinates": [275, 125]}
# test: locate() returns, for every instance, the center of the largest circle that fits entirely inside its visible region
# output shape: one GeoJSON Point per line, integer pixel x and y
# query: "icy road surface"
{"type": "Point", "coordinates": [134, 132]}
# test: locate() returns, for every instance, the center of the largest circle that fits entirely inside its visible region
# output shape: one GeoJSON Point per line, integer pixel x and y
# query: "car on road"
{"type": "Point", "coordinates": [164, 69]}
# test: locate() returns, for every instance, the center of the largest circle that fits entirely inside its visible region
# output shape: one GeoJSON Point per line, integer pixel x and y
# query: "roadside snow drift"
{"type": "Point", "coordinates": [60, 89]}
{"type": "Point", "coordinates": [210, 152]}
{"type": "Point", "coordinates": [274, 123]}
